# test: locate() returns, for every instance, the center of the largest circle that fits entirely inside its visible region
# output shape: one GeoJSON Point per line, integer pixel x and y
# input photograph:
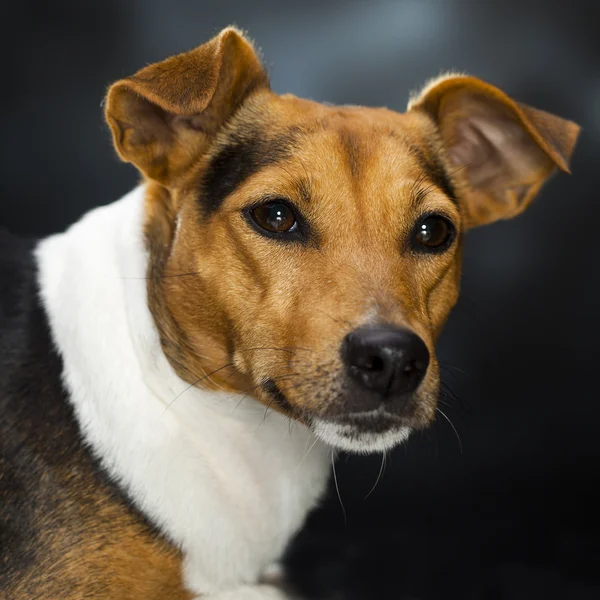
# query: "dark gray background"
{"type": "Point", "coordinates": [515, 515]}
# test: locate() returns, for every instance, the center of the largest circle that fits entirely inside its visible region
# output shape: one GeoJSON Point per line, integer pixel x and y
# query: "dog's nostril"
{"type": "Point", "coordinates": [386, 359]}
{"type": "Point", "coordinates": [374, 363]}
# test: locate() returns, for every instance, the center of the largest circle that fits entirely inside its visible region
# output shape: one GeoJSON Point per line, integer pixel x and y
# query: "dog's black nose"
{"type": "Point", "coordinates": [385, 359]}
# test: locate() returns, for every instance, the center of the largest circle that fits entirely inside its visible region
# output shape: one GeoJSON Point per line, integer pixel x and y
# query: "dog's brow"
{"type": "Point", "coordinates": [303, 188]}
{"type": "Point", "coordinates": [434, 171]}
{"type": "Point", "coordinates": [242, 155]}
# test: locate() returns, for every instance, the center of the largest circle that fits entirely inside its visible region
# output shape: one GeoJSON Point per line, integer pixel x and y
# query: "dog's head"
{"type": "Point", "coordinates": [309, 255]}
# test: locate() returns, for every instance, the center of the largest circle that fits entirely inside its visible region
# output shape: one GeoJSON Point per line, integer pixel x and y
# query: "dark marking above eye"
{"type": "Point", "coordinates": [241, 156]}
{"type": "Point", "coordinates": [440, 176]}
{"type": "Point", "coordinates": [430, 162]}
{"type": "Point", "coordinates": [435, 172]}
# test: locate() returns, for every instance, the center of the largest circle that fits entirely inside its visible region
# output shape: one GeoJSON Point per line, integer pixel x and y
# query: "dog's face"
{"type": "Point", "coordinates": [309, 255]}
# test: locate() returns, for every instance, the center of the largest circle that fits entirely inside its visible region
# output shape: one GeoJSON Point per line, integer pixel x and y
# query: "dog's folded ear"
{"type": "Point", "coordinates": [499, 152]}
{"type": "Point", "coordinates": [165, 114]}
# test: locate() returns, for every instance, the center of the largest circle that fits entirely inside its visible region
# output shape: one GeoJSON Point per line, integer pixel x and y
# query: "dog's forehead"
{"type": "Point", "coordinates": [356, 143]}
{"type": "Point", "coordinates": [349, 124]}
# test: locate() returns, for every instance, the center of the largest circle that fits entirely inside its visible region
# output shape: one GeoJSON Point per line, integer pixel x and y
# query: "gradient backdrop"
{"type": "Point", "coordinates": [510, 511]}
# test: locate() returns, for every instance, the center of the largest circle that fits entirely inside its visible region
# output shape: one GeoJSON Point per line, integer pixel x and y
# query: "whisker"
{"type": "Point", "coordinates": [451, 425]}
{"type": "Point", "coordinates": [451, 366]}
{"type": "Point", "coordinates": [270, 403]}
{"type": "Point", "coordinates": [346, 322]}
{"type": "Point", "coordinates": [307, 452]}
{"type": "Point", "coordinates": [447, 391]}
{"type": "Point", "coordinates": [444, 403]}
{"type": "Point", "coordinates": [450, 374]}
{"type": "Point", "coordinates": [417, 181]}
{"type": "Point", "coordinates": [337, 487]}
{"type": "Point", "coordinates": [219, 385]}
{"type": "Point", "coordinates": [381, 469]}
{"type": "Point", "coordinates": [248, 391]}
{"type": "Point", "coordinates": [266, 412]}
{"type": "Point", "coordinates": [193, 384]}
{"type": "Point", "coordinates": [420, 194]}
{"type": "Point", "coordinates": [460, 169]}
{"type": "Point", "coordinates": [444, 143]}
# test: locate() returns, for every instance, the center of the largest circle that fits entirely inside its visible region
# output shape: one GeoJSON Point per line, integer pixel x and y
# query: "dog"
{"type": "Point", "coordinates": [178, 368]}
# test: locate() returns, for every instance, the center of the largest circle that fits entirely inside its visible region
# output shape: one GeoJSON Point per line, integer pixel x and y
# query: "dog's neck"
{"type": "Point", "coordinates": [202, 465]}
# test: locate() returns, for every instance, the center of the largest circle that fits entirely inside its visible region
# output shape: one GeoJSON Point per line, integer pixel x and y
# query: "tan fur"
{"type": "Point", "coordinates": [95, 561]}
{"type": "Point", "coordinates": [83, 539]}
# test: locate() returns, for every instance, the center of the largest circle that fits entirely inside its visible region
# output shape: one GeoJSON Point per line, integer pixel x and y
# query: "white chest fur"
{"type": "Point", "coordinates": [223, 482]}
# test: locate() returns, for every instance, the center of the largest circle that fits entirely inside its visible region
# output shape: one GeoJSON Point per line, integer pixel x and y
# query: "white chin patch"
{"type": "Point", "coordinates": [351, 439]}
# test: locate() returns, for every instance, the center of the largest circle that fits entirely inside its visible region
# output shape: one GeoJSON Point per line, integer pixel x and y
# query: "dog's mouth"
{"type": "Point", "coordinates": [279, 400]}
{"type": "Point", "coordinates": [377, 430]}
{"type": "Point", "coordinates": [374, 421]}
{"type": "Point", "coordinates": [365, 432]}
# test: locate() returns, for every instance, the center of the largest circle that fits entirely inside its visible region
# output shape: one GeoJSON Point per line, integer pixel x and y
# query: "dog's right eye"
{"type": "Point", "coordinates": [434, 233]}
{"type": "Point", "coordinates": [274, 217]}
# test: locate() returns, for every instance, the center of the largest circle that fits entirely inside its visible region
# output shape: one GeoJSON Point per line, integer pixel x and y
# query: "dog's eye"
{"type": "Point", "coordinates": [434, 233]}
{"type": "Point", "coordinates": [274, 217]}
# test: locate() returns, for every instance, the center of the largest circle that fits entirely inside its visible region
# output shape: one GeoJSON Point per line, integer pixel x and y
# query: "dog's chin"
{"type": "Point", "coordinates": [370, 437]}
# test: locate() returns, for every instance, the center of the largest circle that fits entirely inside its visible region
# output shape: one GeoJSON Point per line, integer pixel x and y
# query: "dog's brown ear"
{"type": "Point", "coordinates": [500, 151]}
{"type": "Point", "coordinates": [165, 114]}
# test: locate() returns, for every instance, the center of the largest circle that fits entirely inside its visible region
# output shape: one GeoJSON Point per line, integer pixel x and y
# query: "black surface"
{"type": "Point", "coordinates": [515, 514]}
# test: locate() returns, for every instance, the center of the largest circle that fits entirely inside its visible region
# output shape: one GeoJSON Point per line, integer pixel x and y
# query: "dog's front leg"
{"type": "Point", "coordinates": [269, 585]}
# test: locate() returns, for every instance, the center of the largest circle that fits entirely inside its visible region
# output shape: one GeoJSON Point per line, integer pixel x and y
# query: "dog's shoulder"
{"type": "Point", "coordinates": [65, 528]}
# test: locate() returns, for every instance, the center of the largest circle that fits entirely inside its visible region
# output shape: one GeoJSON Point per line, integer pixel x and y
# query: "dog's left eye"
{"type": "Point", "coordinates": [433, 233]}
{"type": "Point", "coordinates": [274, 217]}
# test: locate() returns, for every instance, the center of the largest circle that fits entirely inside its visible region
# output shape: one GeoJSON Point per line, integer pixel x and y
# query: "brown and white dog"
{"type": "Point", "coordinates": [177, 368]}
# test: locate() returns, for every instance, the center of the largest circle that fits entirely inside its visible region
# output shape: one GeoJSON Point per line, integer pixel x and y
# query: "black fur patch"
{"type": "Point", "coordinates": [245, 153]}
{"type": "Point", "coordinates": [51, 488]}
